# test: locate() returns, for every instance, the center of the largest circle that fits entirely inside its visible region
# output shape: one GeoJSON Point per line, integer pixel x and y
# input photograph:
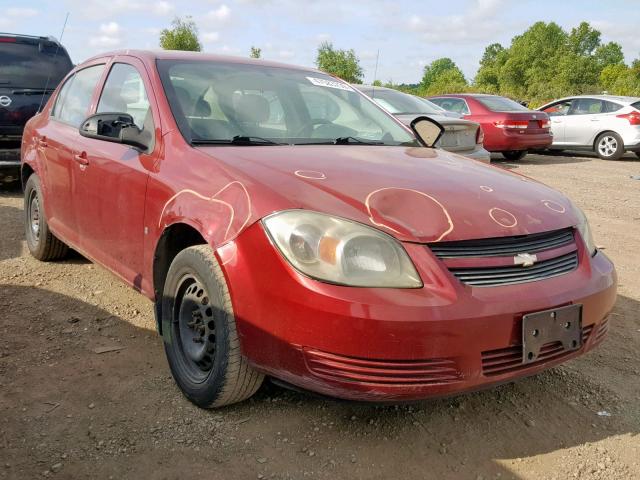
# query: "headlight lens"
{"type": "Point", "coordinates": [585, 231]}
{"type": "Point", "coordinates": [340, 251]}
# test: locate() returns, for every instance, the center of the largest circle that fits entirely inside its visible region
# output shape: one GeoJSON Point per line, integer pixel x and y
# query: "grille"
{"type": "Point", "coordinates": [506, 360]}
{"type": "Point", "coordinates": [492, 276]}
{"type": "Point", "coordinates": [503, 246]}
{"type": "Point", "coordinates": [382, 372]}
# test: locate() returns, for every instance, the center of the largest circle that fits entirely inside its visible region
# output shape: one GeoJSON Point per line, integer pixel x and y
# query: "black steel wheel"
{"type": "Point", "coordinates": [199, 332]}
{"type": "Point", "coordinates": [42, 244]}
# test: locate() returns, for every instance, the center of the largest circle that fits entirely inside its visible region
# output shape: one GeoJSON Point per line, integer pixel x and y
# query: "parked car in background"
{"type": "Point", "coordinates": [509, 127]}
{"type": "Point", "coordinates": [460, 136]}
{"type": "Point", "coordinates": [286, 225]}
{"type": "Point", "coordinates": [30, 70]}
{"type": "Point", "coordinates": [605, 124]}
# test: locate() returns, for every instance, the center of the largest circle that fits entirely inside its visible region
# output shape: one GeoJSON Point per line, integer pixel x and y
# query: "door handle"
{"type": "Point", "coordinates": [81, 158]}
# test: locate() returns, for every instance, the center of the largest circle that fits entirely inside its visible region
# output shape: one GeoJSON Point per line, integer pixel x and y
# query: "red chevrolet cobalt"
{"type": "Point", "coordinates": [285, 225]}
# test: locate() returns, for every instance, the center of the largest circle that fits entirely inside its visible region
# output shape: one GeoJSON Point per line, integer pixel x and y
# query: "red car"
{"type": "Point", "coordinates": [509, 128]}
{"type": "Point", "coordinates": [285, 225]}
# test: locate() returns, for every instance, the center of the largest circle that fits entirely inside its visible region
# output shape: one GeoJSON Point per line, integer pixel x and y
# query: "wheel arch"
{"type": "Point", "coordinates": [174, 238]}
{"type": "Point", "coordinates": [594, 143]}
{"type": "Point", "coordinates": [25, 172]}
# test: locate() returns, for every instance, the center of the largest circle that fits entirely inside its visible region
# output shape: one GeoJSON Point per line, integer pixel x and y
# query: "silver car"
{"type": "Point", "coordinates": [460, 136]}
{"type": "Point", "coordinates": [606, 124]}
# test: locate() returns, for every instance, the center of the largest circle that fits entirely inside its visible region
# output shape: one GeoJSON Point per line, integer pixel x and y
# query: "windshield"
{"type": "Point", "coordinates": [501, 104]}
{"type": "Point", "coordinates": [399, 103]}
{"type": "Point", "coordinates": [223, 102]}
{"type": "Point", "coordinates": [28, 65]}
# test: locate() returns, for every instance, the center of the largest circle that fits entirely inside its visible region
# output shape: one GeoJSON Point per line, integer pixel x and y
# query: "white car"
{"type": "Point", "coordinates": [606, 124]}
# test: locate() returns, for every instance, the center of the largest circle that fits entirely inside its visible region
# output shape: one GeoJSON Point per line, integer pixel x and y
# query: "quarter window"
{"type": "Point", "coordinates": [74, 99]}
{"type": "Point", "coordinates": [124, 92]}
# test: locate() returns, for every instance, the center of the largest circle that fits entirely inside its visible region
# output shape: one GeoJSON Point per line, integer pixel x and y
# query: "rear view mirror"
{"type": "Point", "coordinates": [117, 128]}
{"type": "Point", "coordinates": [427, 130]}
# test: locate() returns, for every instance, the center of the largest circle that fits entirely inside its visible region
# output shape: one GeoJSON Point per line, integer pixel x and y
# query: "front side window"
{"type": "Point", "coordinates": [75, 97]}
{"type": "Point", "coordinates": [216, 102]}
{"type": "Point", "coordinates": [558, 109]}
{"type": "Point", "coordinates": [124, 92]}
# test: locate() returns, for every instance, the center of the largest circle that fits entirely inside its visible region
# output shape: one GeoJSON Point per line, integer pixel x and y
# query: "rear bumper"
{"type": "Point", "coordinates": [394, 344]}
{"type": "Point", "coordinates": [500, 140]}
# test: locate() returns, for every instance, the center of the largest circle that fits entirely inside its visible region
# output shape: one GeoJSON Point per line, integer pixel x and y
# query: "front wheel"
{"type": "Point", "coordinates": [42, 244]}
{"type": "Point", "coordinates": [514, 155]}
{"type": "Point", "coordinates": [609, 146]}
{"type": "Point", "coordinates": [199, 332]}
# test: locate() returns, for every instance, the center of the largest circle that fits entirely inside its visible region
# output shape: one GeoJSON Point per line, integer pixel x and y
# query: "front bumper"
{"type": "Point", "coordinates": [393, 344]}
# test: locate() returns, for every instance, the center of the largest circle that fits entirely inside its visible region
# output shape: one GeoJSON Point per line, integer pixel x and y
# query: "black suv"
{"type": "Point", "coordinates": [30, 70]}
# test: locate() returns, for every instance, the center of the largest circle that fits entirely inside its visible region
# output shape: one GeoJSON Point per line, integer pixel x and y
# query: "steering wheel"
{"type": "Point", "coordinates": [312, 123]}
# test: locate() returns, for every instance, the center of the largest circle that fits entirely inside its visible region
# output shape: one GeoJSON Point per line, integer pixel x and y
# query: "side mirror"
{"type": "Point", "coordinates": [427, 130]}
{"type": "Point", "coordinates": [117, 128]}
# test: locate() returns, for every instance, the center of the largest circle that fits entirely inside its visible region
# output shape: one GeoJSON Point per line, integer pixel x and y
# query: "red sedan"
{"type": "Point", "coordinates": [285, 225]}
{"type": "Point", "coordinates": [509, 128]}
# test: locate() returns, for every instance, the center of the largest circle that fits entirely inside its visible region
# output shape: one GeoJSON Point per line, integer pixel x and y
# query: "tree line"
{"type": "Point", "coordinates": [543, 63]}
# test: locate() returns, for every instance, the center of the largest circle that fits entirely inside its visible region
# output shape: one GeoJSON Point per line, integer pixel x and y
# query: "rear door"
{"type": "Point", "coordinates": [112, 178]}
{"type": "Point", "coordinates": [587, 117]}
{"type": "Point", "coordinates": [57, 139]}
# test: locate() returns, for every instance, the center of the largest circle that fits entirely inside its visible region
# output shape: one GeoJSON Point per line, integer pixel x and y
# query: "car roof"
{"type": "Point", "coordinates": [614, 98]}
{"type": "Point", "coordinates": [153, 55]}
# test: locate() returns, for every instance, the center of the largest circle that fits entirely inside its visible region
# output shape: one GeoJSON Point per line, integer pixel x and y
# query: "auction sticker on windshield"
{"type": "Point", "coordinates": [322, 82]}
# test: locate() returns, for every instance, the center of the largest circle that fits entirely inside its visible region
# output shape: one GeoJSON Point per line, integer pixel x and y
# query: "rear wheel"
{"type": "Point", "coordinates": [638, 154]}
{"type": "Point", "coordinates": [514, 154]}
{"type": "Point", "coordinates": [42, 244]}
{"type": "Point", "coordinates": [201, 341]}
{"type": "Point", "coordinates": [609, 146]}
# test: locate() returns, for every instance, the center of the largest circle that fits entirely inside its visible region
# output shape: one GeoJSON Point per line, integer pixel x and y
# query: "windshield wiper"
{"type": "Point", "coordinates": [354, 140]}
{"type": "Point", "coordinates": [237, 140]}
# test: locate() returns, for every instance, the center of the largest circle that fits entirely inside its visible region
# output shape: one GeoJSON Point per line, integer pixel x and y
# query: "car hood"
{"type": "Point", "coordinates": [415, 194]}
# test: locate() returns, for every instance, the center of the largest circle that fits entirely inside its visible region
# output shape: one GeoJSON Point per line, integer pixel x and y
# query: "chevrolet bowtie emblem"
{"type": "Point", "coordinates": [525, 259]}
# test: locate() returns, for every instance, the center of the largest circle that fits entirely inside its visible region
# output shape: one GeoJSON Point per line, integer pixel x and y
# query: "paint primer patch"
{"type": "Point", "coordinates": [323, 82]}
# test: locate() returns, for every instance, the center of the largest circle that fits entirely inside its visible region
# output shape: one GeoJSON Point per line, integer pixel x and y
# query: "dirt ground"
{"type": "Point", "coordinates": [67, 411]}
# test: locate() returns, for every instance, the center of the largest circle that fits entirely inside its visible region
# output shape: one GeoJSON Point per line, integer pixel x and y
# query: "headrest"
{"type": "Point", "coordinates": [202, 109]}
{"type": "Point", "coordinates": [252, 108]}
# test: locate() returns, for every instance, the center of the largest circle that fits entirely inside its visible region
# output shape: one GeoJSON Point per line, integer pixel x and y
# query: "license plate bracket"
{"type": "Point", "coordinates": [562, 324]}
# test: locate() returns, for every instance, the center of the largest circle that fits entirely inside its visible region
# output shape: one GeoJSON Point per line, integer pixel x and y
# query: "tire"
{"type": "Point", "coordinates": [514, 155]}
{"type": "Point", "coordinates": [199, 334]}
{"type": "Point", "coordinates": [42, 244]}
{"type": "Point", "coordinates": [638, 154]}
{"type": "Point", "coordinates": [609, 146]}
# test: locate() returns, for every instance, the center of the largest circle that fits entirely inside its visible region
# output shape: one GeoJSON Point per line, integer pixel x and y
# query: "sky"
{"type": "Point", "coordinates": [405, 35]}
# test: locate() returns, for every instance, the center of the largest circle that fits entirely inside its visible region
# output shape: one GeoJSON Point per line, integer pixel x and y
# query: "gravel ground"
{"type": "Point", "coordinates": [71, 412]}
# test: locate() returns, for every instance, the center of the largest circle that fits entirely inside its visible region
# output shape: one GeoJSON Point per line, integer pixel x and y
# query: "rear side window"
{"type": "Point", "coordinates": [74, 99]}
{"type": "Point", "coordinates": [608, 107]}
{"type": "Point", "coordinates": [501, 104]}
{"type": "Point", "coordinates": [124, 92]}
{"type": "Point", "coordinates": [586, 106]}
{"type": "Point", "coordinates": [456, 105]}
{"type": "Point", "coordinates": [31, 65]}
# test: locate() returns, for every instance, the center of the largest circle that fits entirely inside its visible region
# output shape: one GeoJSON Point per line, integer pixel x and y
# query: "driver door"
{"type": "Point", "coordinates": [557, 113]}
{"type": "Point", "coordinates": [112, 178]}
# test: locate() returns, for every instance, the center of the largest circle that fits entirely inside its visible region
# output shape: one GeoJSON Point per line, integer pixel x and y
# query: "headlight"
{"type": "Point", "coordinates": [340, 251]}
{"type": "Point", "coordinates": [585, 231]}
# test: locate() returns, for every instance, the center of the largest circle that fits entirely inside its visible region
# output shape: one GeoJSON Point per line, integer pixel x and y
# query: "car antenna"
{"type": "Point", "coordinates": [46, 85]}
{"type": "Point", "coordinates": [375, 75]}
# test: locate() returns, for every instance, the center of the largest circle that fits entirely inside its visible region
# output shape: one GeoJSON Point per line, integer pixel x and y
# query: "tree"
{"type": "Point", "coordinates": [442, 76]}
{"type": "Point", "coordinates": [183, 35]}
{"type": "Point", "coordinates": [488, 77]}
{"type": "Point", "coordinates": [342, 63]}
{"type": "Point", "coordinates": [255, 52]}
{"type": "Point", "coordinates": [377, 83]}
